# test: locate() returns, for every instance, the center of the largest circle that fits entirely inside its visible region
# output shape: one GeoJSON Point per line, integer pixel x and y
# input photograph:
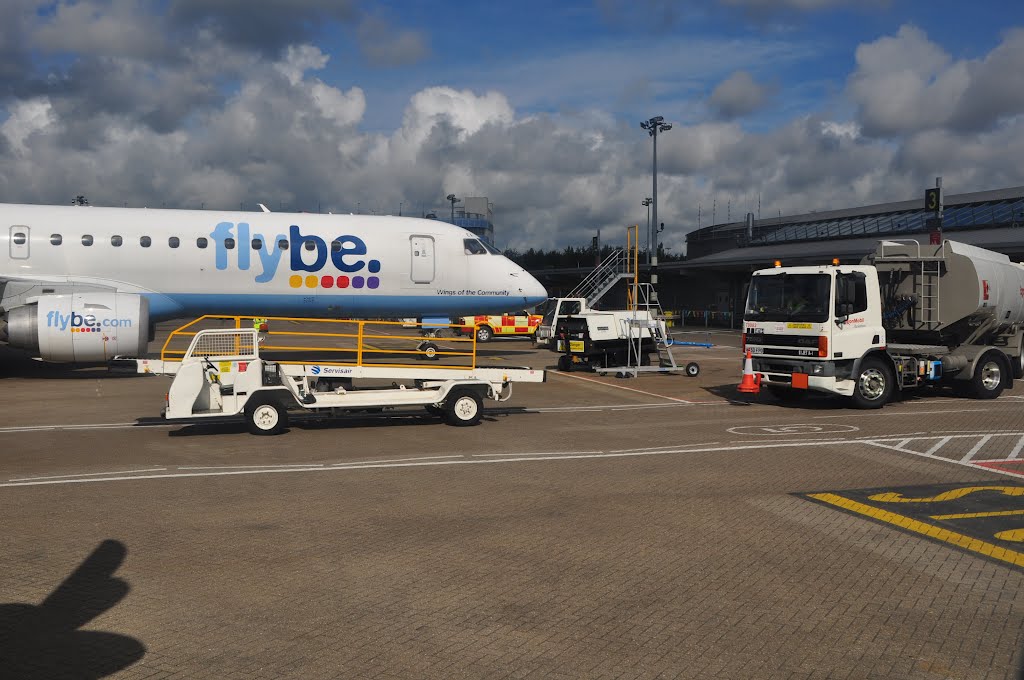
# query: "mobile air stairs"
{"type": "Point", "coordinates": [644, 326]}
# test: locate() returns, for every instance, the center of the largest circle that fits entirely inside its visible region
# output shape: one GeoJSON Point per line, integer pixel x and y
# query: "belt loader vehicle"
{"type": "Point", "coordinates": [224, 374]}
{"type": "Point", "coordinates": [909, 316]}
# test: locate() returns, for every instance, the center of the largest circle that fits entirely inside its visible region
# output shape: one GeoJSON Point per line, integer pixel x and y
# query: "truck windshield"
{"type": "Point", "coordinates": [789, 297]}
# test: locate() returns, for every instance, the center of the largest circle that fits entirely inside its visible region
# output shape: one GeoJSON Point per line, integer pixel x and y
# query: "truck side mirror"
{"type": "Point", "coordinates": [843, 309]}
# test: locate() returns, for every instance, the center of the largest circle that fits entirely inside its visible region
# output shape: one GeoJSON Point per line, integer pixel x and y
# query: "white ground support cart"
{"type": "Point", "coordinates": [226, 372]}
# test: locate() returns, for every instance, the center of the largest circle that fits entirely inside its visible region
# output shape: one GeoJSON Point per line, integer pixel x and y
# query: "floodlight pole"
{"type": "Point", "coordinates": [654, 126]}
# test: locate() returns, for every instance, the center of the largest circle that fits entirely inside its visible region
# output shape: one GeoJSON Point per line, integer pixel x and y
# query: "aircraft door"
{"type": "Point", "coordinates": [19, 242]}
{"type": "Point", "coordinates": [422, 253]}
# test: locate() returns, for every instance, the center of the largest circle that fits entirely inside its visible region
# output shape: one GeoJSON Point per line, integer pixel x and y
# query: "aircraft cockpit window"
{"type": "Point", "coordinates": [310, 245]}
{"type": "Point", "coordinates": [257, 244]}
{"type": "Point", "coordinates": [474, 247]}
{"type": "Point", "coordinates": [174, 242]}
{"type": "Point", "coordinates": [282, 244]}
{"type": "Point", "coordinates": [229, 244]}
{"type": "Point", "coordinates": [56, 239]}
{"type": "Point", "coordinates": [116, 241]}
{"type": "Point", "coordinates": [145, 241]}
{"type": "Point", "coordinates": [87, 240]}
{"type": "Point", "coordinates": [491, 249]}
{"type": "Point", "coordinates": [201, 242]}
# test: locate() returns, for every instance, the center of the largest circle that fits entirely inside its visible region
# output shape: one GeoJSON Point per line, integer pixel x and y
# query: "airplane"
{"type": "Point", "coordinates": [85, 284]}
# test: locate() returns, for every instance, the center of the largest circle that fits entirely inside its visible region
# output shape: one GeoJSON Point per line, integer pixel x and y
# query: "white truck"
{"type": "Point", "coordinates": [222, 375]}
{"type": "Point", "coordinates": [553, 310]}
{"type": "Point", "coordinates": [910, 315]}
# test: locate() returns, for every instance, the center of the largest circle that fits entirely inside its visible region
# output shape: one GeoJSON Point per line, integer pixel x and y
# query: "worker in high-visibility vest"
{"type": "Point", "coordinates": [259, 324]}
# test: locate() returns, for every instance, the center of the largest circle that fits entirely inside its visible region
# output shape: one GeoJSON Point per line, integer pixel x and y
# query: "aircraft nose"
{"type": "Point", "coordinates": [534, 292]}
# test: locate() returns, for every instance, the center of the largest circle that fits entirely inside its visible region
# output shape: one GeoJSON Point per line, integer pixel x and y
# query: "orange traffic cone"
{"type": "Point", "coordinates": [751, 383]}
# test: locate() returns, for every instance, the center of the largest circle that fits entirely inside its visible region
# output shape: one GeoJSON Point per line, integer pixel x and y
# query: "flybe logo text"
{"type": "Point", "coordinates": [304, 253]}
{"type": "Point", "coordinates": [82, 324]}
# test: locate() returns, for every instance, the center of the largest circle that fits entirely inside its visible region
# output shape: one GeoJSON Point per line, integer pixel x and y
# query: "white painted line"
{"type": "Point", "coordinates": [977, 447]}
{"type": "Point", "coordinates": [247, 467]}
{"type": "Point", "coordinates": [1016, 449]}
{"type": "Point", "coordinates": [656, 448]}
{"type": "Point", "coordinates": [86, 474]}
{"type": "Point", "coordinates": [399, 460]}
{"type": "Point", "coordinates": [619, 387]}
{"type": "Point", "coordinates": [90, 426]}
{"type": "Point", "coordinates": [535, 453]}
{"type": "Point", "coordinates": [942, 442]}
{"type": "Point", "coordinates": [902, 413]}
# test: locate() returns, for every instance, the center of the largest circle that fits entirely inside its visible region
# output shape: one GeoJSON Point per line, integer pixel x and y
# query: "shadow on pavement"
{"type": "Point", "coordinates": [44, 641]}
{"type": "Point", "coordinates": [348, 421]}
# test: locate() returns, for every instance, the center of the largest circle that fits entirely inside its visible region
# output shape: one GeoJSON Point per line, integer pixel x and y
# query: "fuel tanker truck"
{"type": "Point", "coordinates": [909, 316]}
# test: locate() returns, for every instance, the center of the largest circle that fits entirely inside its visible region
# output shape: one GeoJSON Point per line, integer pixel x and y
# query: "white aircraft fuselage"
{"type": "Point", "coordinates": [186, 263]}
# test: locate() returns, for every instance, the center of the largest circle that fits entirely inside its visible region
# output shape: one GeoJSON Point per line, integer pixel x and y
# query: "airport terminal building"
{"type": "Point", "coordinates": [711, 283]}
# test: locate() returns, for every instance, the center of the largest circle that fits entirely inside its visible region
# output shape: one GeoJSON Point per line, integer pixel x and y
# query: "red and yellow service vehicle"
{"type": "Point", "coordinates": [486, 327]}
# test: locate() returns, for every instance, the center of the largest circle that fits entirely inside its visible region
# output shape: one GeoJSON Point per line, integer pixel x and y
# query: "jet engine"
{"type": "Point", "coordinates": [81, 327]}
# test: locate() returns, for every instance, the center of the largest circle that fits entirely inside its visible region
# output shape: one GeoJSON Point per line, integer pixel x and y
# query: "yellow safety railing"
{"type": "Point", "coordinates": [293, 340]}
{"type": "Point", "coordinates": [632, 263]}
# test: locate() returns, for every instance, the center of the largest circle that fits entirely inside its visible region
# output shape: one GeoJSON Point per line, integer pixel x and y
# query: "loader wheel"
{"type": "Point", "coordinates": [874, 385]}
{"type": "Point", "coordinates": [989, 377]}
{"type": "Point", "coordinates": [463, 408]}
{"type": "Point", "coordinates": [429, 351]}
{"type": "Point", "coordinates": [693, 369]}
{"type": "Point", "coordinates": [266, 417]}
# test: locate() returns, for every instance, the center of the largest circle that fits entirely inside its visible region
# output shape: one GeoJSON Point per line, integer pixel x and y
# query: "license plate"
{"type": "Point", "coordinates": [755, 349]}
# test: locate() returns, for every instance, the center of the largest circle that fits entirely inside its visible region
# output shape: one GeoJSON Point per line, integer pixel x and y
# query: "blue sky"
{"type": "Point", "coordinates": [352, 105]}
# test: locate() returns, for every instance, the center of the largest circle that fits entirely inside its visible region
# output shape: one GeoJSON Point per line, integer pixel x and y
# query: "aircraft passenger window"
{"type": "Point", "coordinates": [229, 243]}
{"type": "Point", "coordinates": [310, 245]}
{"type": "Point", "coordinates": [336, 246]}
{"type": "Point", "coordinates": [145, 241]}
{"type": "Point", "coordinates": [200, 242]}
{"type": "Point", "coordinates": [116, 241]}
{"type": "Point", "coordinates": [20, 238]}
{"type": "Point", "coordinates": [87, 240]}
{"type": "Point", "coordinates": [257, 244]}
{"type": "Point", "coordinates": [474, 247]}
{"type": "Point", "coordinates": [56, 239]}
{"type": "Point", "coordinates": [173, 242]}
{"type": "Point", "coordinates": [282, 244]}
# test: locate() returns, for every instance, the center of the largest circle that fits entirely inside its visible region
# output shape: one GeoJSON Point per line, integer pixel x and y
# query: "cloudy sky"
{"type": "Point", "coordinates": [368, 106]}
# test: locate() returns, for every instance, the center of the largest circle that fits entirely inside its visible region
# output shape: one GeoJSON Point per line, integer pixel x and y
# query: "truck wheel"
{"type": "Point", "coordinates": [874, 385]}
{"type": "Point", "coordinates": [266, 417]}
{"type": "Point", "coordinates": [565, 363]}
{"type": "Point", "coordinates": [1018, 365]}
{"type": "Point", "coordinates": [484, 334]}
{"type": "Point", "coordinates": [430, 351]}
{"type": "Point", "coordinates": [463, 407]}
{"type": "Point", "coordinates": [989, 377]}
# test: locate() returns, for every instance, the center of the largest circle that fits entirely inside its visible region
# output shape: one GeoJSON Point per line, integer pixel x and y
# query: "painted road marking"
{"type": "Point", "coordinates": [791, 429]}
{"type": "Point", "coordinates": [964, 541]}
{"type": "Point", "coordinates": [621, 387]}
{"type": "Point", "coordinates": [1008, 468]}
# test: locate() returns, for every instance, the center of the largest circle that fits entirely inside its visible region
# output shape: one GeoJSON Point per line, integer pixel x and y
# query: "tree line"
{"type": "Point", "coordinates": [571, 256]}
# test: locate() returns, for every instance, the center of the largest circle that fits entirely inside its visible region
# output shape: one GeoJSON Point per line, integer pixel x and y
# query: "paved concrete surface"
{"type": "Point", "coordinates": [591, 527]}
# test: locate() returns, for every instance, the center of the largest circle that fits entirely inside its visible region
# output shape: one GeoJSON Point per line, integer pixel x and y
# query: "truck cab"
{"type": "Point", "coordinates": [809, 327]}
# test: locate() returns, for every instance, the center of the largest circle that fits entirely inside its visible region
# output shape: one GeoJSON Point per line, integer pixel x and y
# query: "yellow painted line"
{"type": "Point", "coordinates": [959, 540]}
{"type": "Point", "coordinates": [973, 515]}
